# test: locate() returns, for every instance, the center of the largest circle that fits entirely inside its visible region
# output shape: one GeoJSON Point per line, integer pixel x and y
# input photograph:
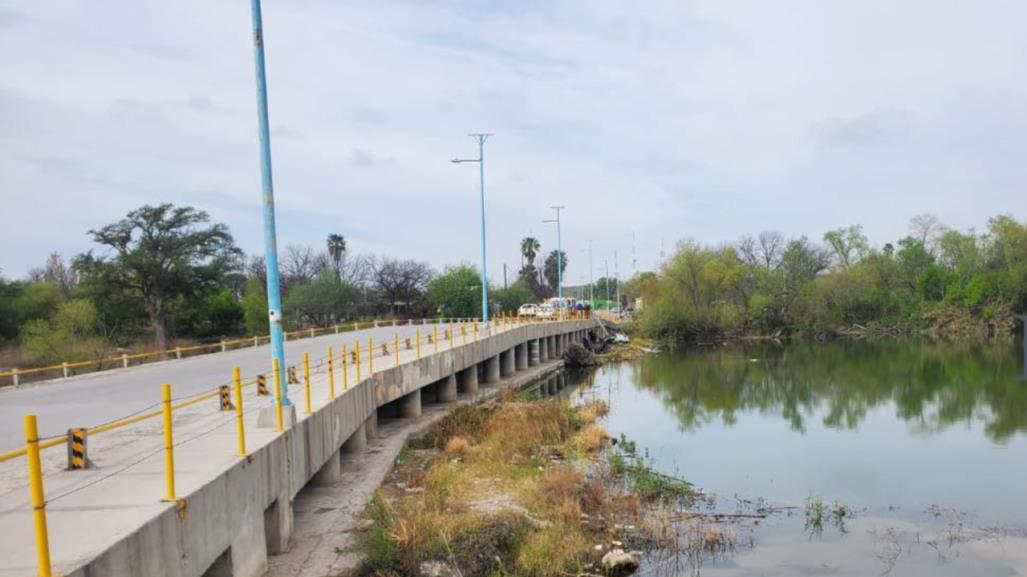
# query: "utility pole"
{"type": "Point", "coordinates": [591, 283]}
{"type": "Point", "coordinates": [274, 293]}
{"type": "Point", "coordinates": [504, 276]}
{"type": "Point", "coordinates": [559, 252]}
{"type": "Point", "coordinates": [481, 138]}
{"type": "Point", "coordinates": [606, 280]}
{"type": "Point", "coordinates": [616, 276]}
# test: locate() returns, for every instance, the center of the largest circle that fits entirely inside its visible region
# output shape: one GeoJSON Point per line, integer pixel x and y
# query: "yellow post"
{"type": "Point", "coordinates": [306, 378]}
{"type": "Point", "coordinates": [475, 330]}
{"type": "Point", "coordinates": [36, 492]}
{"type": "Point", "coordinates": [279, 417]}
{"type": "Point", "coordinates": [450, 333]}
{"type": "Point", "coordinates": [463, 333]}
{"type": "Point", "coordinates": [345, 369]}
{"type": "Point", "coordinates": [418, 342]}
{"type": "Point", "coordinates": [435, 341]}
{"type": "Point", "coordinates": [331, 373]}
{"type": "Point", "coordinates": [357, 363]}
{"type": "Point", "coordinates": [237, 378]}
{"type": "Point", "coordinates": [169, 444]}
{"type": "Point", "coordinates": [370, 355]}
{"type": "Point", "coordinates": [395, 346]}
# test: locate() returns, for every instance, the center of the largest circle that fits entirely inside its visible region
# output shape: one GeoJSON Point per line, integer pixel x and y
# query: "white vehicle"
{"type": "Point", "coordinates": [546, 312]}
{"type": "Point", "coordinates": [527, 310]}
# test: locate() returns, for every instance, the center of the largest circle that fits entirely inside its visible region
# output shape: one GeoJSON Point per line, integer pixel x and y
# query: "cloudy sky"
{"type": "Point", "coordinates": [703, 119]}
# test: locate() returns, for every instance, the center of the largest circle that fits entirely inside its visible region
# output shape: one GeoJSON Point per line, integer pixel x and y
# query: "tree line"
{"type": "Point", "coordinates": [936, 279]}
{"type": "Point", "coordinates": [167, 272]}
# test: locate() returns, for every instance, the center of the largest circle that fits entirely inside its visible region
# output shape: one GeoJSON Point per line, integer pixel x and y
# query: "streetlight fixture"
{"type": "Point", "coordinates": [481, 138]}
{"type": "Point", "coordinates": [559, 252]}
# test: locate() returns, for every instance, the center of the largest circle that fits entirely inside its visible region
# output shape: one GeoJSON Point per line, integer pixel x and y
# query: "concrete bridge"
{"type": "Point", "coordinates": [231, 510]}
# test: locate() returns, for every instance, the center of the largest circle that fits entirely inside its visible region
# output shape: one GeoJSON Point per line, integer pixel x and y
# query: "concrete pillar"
{"type": "Point", "coordinates": [330, 472]}
{"type": "Point", "coordinates": [445, 390]}
{"type": "Point", "coordinates": [356, 442]}
{"type": "Point", "coordinates": [508, 364]}
{"type": "Point", "coordinates": [534, 352]}
{"type": "Point", "coordinates": [469, 380]}
{"type": "Point", "coordinates": [410, 405]}
{"type": "Point", "coordinates": [278, 525]}
{"type": "Point", "coordinates": [492, 373]}
{"type": "Point", "coordinates": [543, 351]}
{"type": "Point", "coordinates": [371, 426]}
{"type": "Point", "coordinates": [521, 356]}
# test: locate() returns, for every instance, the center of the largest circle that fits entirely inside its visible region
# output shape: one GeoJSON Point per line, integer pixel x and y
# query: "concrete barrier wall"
{"type": "Point", "coordinates": [229, 525]}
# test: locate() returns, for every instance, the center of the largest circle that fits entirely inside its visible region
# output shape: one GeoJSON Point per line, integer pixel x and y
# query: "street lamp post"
{"type": "Point", "coordinates": [274, 294]}
{"type": "Point", "coordinates": [481, 138]}
{"type": "Point", "coordinates": [559, 253]}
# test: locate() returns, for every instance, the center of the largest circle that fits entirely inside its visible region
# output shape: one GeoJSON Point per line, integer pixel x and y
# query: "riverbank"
{"type": "Point", "coordinates": [521, 487]}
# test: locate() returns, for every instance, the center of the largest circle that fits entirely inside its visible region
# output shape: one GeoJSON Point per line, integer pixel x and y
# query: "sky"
{"type": "Point", "coordinates": [653, 121]}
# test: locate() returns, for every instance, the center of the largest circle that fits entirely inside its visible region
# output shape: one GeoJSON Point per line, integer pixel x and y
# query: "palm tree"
{"type": "Point", "coordinates": [529, 248]}
{"type": "Point", "coordinates": [336, 250]}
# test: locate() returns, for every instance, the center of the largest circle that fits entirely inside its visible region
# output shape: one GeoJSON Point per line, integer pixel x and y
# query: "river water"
{"type": "Point", "coordinates": [924, 444]}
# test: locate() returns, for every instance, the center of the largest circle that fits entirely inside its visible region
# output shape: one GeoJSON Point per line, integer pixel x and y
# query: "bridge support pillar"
{"type": "Point", "coordinates": [521, 356]}
{"type": "Point", "coordinates": [278, 524]}
{"type": "Point", "coordinates": [445, 390]}
{"type": "Point", "coordinates": [508, 365]}
{"type": "Point", "coordinates": [410, 405]}
{"type": "Point", "coordinates": [534, 352]}
{"type": "Point", "coordinates": [371, 426]}
{"type": "Point", "coordinates": [543, 351]}
{"type": "Point", "coordinates": [492, 373]}
{"type": "Point", "coordinates": [468, 379]}
{"type": "Point", "coordinates": [330, 472]}
{"type": "Point", "coordinates": [357, 441]}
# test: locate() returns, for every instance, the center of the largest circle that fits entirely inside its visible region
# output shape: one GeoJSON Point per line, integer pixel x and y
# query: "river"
{"type": "Point", "coordinates": [922, 444]}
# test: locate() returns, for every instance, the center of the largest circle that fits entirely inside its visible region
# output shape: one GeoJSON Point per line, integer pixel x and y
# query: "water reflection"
{"type": "Point", "coordinates": [932, 385]}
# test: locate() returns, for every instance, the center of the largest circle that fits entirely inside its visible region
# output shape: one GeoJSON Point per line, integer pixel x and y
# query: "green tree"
{"type": "Point", "coordinates": [161, 253]}
{"type": "Point", "coordinates": [554, 266]}
{"type": "Point", "coordinates": [74, 333]}
{"type": "Point", "coordinates": [254, 306]}
{"type": "Point", "coordinates": [849, 244]}
{"type": "Point", "coordinates": [509, 299]}
{"type": "Point", "coordinates": [321, 301]}
{"type": "Point", "coordinates": [456, 292]}
{"type": "Point", "coordinates": [529, 248]}
{"type": "Point", "coordinates": [336, 251]}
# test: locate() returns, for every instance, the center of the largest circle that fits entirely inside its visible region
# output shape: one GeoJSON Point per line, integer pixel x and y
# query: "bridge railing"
{"type": "Point", "coordinates": [15, 376]}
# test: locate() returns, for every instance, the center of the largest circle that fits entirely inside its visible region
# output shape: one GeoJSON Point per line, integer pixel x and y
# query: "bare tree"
{"type": "Point", "coordinates": [402, 282]}
{"type": "Point", "coordinates": [55, 271]}
{"type": "Point", "coordinates": [300, 264]}
{"type": "Point", "coordinates": [772, 245]}
{"type": "Point", "coordinates": [927, 229]}
{"type": "Point", "coordinates": [256, 267]}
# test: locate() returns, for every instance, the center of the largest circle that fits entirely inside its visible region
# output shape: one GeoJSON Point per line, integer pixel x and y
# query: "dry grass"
{"type": "Point", "coordinates": [592, 411]}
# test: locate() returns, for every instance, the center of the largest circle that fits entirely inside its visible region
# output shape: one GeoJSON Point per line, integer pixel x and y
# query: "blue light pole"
{"type": "Point", "coordinates": [559, 253]}
{"type": "Point", "coordinates": [481, 138]}
{"type": "Point", "coordinates": [274, 294]}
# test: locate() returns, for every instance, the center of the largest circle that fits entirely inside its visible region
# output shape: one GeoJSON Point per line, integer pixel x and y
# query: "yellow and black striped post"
{"type": "Point", "coordinates": [262, 386]}
{"type": "Point", "coordinates": [345, 370]}
{"type": "Point", "coordinates": [225, 395]}
{"type": "Point", "coordinates": [78, 459]}
{"type": "Point", "coordinates": [306, 379]}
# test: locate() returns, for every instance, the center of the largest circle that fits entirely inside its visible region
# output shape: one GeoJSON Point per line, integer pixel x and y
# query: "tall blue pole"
{"type": "Point", "coordinates": [484, 255]}
{"type": "Point", "coordinates": [559, 256]}
{"type": "Point", "coordinates": [274, 293]}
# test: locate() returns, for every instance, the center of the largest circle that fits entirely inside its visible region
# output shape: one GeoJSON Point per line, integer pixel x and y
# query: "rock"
{"type": "Point", "coordinates": [619, 563]}
{"type": "Point", "coordinates": [437, 569]}
{"type": "Point", "coordinates": [578, 356]}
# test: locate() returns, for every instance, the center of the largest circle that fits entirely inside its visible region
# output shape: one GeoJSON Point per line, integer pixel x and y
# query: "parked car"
{"type": "Point", "coordinates": [546, 312]}
{"type": "Point", "coordinates": [527, 310]}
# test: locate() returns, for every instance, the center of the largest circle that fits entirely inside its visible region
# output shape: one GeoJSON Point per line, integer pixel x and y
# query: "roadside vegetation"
{"type": "Point", "coordinates": [166, 275]}
{"type": "Point", "coordinates": [935, 280]}
{"type": "Point", "coordinates": [515, 487]}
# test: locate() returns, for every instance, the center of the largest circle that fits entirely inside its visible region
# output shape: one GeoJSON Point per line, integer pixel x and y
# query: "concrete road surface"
{"type": "Point", "coordinates": [96, 398]}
